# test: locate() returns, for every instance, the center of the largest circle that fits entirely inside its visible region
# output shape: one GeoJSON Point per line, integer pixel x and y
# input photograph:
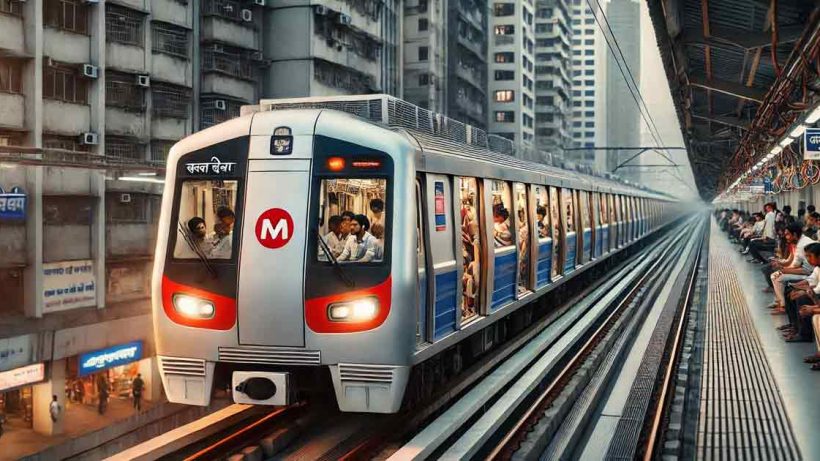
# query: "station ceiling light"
{"type": "Point", "coordinates": [797, 131]}
{"type": "Point", "coordinates": [776, 150]}
{"type": "Point", "coordinates": [814, 116]}
{"type": "Point", "coordinates": [786, 141]}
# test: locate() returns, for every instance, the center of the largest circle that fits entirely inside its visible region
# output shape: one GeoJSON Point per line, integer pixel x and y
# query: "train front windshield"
{"type": "Point", "coordinates": [352, 212]}
{"type": "Point", "coordinates": [206, 219]}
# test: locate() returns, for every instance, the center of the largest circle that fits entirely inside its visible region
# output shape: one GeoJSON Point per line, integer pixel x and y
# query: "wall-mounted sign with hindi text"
{"type": "Point", "coordinates": [12, 204]}
{"type": "Point", "coordinates": [811, 143]}
{"type": "Point", "coordinates": [68, 285]}
{"type": "Point", "coordinates": [215, 166]}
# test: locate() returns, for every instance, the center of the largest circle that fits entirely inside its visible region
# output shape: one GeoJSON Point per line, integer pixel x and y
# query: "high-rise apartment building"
{"type": "Point", "coordinates": [622, 113]}
{"type": "Point", "coordinates": [553, 85]}
{"type": "Point", "coordinates": [511, 71]}
{"type": "Point", "coordinates": [332, 47]}
{"type": "Point", "coordinates": [92, 96]}
{"type": "Point", "coordinates": [589, 75]}
{"type": "Point", "coordinates": [466, 87]}
{"type": "Point", "coordinates": [425, 54]}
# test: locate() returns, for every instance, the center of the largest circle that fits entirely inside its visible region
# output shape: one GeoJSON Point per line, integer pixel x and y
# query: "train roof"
{"type": "Point", "coordinates": [441, 135]}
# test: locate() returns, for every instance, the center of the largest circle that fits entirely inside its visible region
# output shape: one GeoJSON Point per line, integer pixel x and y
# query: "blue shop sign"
{"type": "Point", "coordinates": [92, 362]}
{"type": "Point", "coordinates": [13, 204]}
{"type": "Point", "coordinates": [811, 141]}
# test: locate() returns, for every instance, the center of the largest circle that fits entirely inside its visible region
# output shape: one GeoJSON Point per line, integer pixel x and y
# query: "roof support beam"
{"type": "Point", "coordinates": [735, 89]}
{"type": "Point", "coordinates": [721, 119]}
{"type": "Point", "coordinates": [722, 36]}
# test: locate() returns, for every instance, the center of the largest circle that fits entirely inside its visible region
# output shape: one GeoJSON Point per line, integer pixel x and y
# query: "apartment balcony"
{"type": "Point", "coordinates": [125, 57]}
{"type": "Point", "coordinates": [66, 46]}
{"type": "Point", "coordinates": [472, 17]}
{"type": "Point", "coordinates": [12, 38]}
{"type": "Point", "coordinates": [361, 54]}
{"type": "Point", "coordinates": [65, 118]}
{"type": "Point", "coordinates": [171, 69]}
{"type": "Point", "coordinates": [229, 31]}
{"type": "Point", "coordinates": [217, 83]}
{"type": "Point", "coordinates": [173, 11]}
{"type": "Point", "coordinates": [124, 123]}
{"type": "Point", "coordinates": [470, 108]}
{"type": "Point", "coordinates": [474, 47]}
{"type": "Point", "coordinates": [12, 110]}
{"type": "Point", "coordinates": [501, 40]}
{"type": "Point", "coordinates": [170, 128]}
{"type": "Point", "coordinates": [473, 78]}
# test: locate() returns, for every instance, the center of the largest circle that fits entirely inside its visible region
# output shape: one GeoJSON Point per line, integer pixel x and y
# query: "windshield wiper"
{"type": "Point", "coordinates": [338, 267]}
{"type": "Point", "coordinates": [203, 258]}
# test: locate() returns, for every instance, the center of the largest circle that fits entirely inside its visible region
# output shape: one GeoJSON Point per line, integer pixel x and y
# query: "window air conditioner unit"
{"type": "Point", "coordinates": [321, 10]}
{"type": "Point", "coordinates": [247, 15]}
{"type": "Point", "coordinates": [125, 198]}
{"type": "Point", "coordinates": [220, 104]}
{"type": "Point", "coordinates": [143, 80]}
{"type": "Point", "coordinates": [218, 47]}
{"type": "Point", "coordinates": [343, 19]}
{"type": "Point", "coordinates": [257, 56]}
{"type": "Point", "coordinates": [90, 70]}
{"type": "Point", "coordinates": [89, 139]}
{"type": "Point", "coordinates": [259, 2]}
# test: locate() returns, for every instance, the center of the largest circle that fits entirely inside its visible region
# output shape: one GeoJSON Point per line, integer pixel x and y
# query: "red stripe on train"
{"type": "Point", "coordinates": [224, 307]}
{"type": "Point", "coordinates": [316, 309]}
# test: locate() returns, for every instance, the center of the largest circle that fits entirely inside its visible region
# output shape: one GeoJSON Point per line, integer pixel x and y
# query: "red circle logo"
{"type": "Point", "coordinates": [274, 228]}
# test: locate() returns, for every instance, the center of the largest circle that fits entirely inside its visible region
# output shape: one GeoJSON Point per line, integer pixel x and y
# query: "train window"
{"type": "Point", "coordinates": [584, 205]}
{"type": "Point", "coordinates": [471, 247]}
{"type": "Point", "coordinates": [569, 209]}
{"type": "Point", "coordinates": [541, 214]}
{"type": "Point", "coordinates": [502, 232]}
{"type": "Point", "coordinates": [523, 223]}
{"type": "Point", "coordinates": [355, 230]}
{"type": "Point", "coordinates": [557, 243]}
{"type": "Point", "coordinates": [206, 219]}
{"type": "Point", "coordinates": [603, 210]}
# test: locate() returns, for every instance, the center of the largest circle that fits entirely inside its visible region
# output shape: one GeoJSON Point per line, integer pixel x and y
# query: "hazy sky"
{"type": "Point", "coordinates": [655, 91]}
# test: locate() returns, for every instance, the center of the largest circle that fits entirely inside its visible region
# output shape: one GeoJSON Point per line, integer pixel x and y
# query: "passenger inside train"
{"type": "Point", "coordinates": [206, 204]}
{"type": "Point", "coordinates": [354, 230]}
{"type": "Point", "coordinates": [784, 247]}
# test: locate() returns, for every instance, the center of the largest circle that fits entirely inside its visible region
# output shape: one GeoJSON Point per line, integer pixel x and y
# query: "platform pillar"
{"type": "Point", "coordinates": [41, 399]}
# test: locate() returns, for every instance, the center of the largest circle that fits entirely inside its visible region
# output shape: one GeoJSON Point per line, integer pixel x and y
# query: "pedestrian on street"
{"type": "Point", "coordinates": [54, 408]}
{"type": "Point", "coordinates": [102, 386]}
{"type": "Point", "coordinates": [136, 390]}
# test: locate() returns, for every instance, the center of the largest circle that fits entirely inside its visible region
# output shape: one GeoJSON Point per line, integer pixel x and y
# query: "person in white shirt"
{"type": "Point", "coordinates": [766, 242]}
{"type": "Point", "coordinates": [335, 239]}
{"type": "Point", "coordinates": [801, 305]}
{"type": "Point", "coordinates": [798, 269]}
{"type": "Point", "coordinates": [54, 408]}
{"type": "Point", "coordinates": [360, 245]}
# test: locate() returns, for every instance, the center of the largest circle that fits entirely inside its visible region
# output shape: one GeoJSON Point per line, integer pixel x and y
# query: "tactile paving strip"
{"type": "Point", "coordinates": [741, 411]}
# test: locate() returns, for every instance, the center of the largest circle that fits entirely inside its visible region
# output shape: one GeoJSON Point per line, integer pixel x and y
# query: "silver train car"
{"type": "Point", "coordinates": [303, 237]}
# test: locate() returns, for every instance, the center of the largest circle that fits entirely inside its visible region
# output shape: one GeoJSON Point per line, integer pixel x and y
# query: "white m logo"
{"type": "Point", "coordinates": [274, 232]}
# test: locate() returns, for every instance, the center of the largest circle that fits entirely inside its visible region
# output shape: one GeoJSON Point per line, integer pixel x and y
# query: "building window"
{"type": "Point", "coordinates": [545, 100]}
{"type": "Point", "coordinates": [160, 150]}
{"type": "Point", "coordinates": [62, 210]}
{"type": "Point", "coordinates": [504, 96]}
{"type": "Point", "coordinates": [422, 24]}
{"type": "Point", "coordinates": [589, 103]}
{"type": "Point", "coordinates": [589, 113]}
{"type": "Point", "coordinates": [527, 101]}
{"type": "Point", "coordinates": [576, 93]}
{"type": "Point", "coordinates": [505, 116]}
{"type": "Point", "coordinates": [170, 100]}
{"type": "Point", "coordinates": [589, 124]}
{"type": "Point", "coordinates": [505, 30]}
{"type": "Point", "coordinates": [423, 52]}
{"type": "Point", "coordinates": [227, 60]}
{"type": "Point", "coordinates": [589, 72]}
{"type": "Point", "coordinates": [52, 141]}
{"type": "Point", "coordinates": [589, 93]}
{"type": "Point", "coordinates": [169, 39]}
{"type": "Point", "coordinates": [122, 91]}
{"type": "Point", "coordinates": [68, 15]}
{"type": "Point", "coordinates": [422, 6]}
{"type": "Point", "coordinates": [576, 103]}
{"type": "Point", "coordinates": [227, 9]}
{"type": "Point", "coordinates": [424, 79]}
{"type": "Point", "coordinates": [504, 75]}
{"type": "Point", "coordinates": [11, 75]}
{"type": "Point", "coordinates": [64, 83]}
{"type": "Point", "coordinates": [215, 110]}
{"type": "Point", "coordinates": [590, 62]}
{"type": "Point", "coordinates": [127, 208]}
{"type": "Point", "coordinates": [123, 25]}
{"type": "Point", "coordinates": [589, 52]}
{"type": "Point", "coordinates": [13, 7]}
{"type": "Point", "coordinates": [589, 21]}
{"type": "Point", "coordinates": [123, 148]}
{"type": "Point", "coordinates": [577, 124]}
{"type": "Point", "coordinates": [505, 57]}
{"type": "Point", "coordinates": [527, 121]}
{"type": "Point", "coordinates": [503, 9]}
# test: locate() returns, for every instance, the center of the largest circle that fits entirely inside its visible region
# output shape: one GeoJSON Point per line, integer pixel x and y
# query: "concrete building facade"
{"type": "Point", "coordinates": [553, 69]}
{"type": "Point", "coordinates": [466, 86]}
{"type": "Point", "coordinates": [511, 71]}
{"type": "Point", "coordinates": [589, 76]}
{"type": "Point", "coordinates": [425, 54]}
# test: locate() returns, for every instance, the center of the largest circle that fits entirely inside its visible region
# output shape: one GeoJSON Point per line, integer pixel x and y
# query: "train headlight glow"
{"type": "Point", "coordinates": [192, 307]}
{"type": "Point", "coordinates": [359, 310]}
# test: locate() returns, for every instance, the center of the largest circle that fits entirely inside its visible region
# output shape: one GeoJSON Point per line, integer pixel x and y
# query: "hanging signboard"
{"type": "Point", "coordinates": [103, 359]}
{"type": "Point", "coordinates": [21, 376]}
{"type": "Point", "coordinates": [13, 204]}
{"type": "Point", "coordinates": [68, 285]}
{"type": "Point", "coordinates": [811, 144]}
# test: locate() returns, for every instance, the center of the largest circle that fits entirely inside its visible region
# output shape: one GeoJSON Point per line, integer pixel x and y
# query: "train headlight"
{"type": "Point", "coordinates": [359, 310]}
{"type": "Point", "coordinates": [192, 307]}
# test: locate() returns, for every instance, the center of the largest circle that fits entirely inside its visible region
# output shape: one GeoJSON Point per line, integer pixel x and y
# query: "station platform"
{"type": "Point", "coordinates": [758, 400]}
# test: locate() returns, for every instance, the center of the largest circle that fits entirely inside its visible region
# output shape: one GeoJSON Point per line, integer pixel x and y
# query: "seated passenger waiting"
{"type": "Point", "coordinates": [361, 244]}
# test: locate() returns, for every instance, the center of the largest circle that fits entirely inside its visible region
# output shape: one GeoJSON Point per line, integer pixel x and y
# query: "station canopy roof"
{"type": "Point", "coordinates": [741, 73]}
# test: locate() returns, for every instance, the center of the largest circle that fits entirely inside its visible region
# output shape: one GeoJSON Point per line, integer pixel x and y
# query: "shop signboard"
{"type": "Point", "coordinates": [15, 352]}
{"type": "Point", "coordinates": [12, 204]}
{"type": "Point", "coordinates": [811, 143]}
{"type": "Point", "coordinates": [103, 359]}
{"type": "Point", "coordinates": [68, 285]}
{"type": "Point", "coordinates": [28, 374]}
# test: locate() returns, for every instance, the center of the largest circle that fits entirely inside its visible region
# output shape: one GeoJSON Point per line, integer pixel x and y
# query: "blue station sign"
{"type": "Point", "coordinates": [13, 204]}
{"type": "Point", "coordinates": [811, 143]}
{"type": "Point", "coordinates": [103, 359]}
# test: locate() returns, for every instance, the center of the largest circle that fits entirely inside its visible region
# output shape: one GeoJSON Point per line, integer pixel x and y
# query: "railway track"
{"type": "Point", "coordinates": [489, 411]}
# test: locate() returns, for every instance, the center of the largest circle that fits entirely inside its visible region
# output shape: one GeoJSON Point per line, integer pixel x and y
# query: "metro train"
{"type": "Point", "coordinates": [362, 235]}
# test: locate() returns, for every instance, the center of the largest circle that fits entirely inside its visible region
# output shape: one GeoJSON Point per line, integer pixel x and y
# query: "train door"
{"type": "Point", "coordinates": [503, 269]}
{"type": "Point", "coordinates": [568, 209]}
{"type": "Point", "coordinates": [613, 222]}
{"type": "Point", "coordinates": [442, 269]}
{"type": "Point", "coordinates": [597, 219]}
{"type": "Point", "coordinates": [619, 216]}
{"type": "Point", "coordinates": [473, 258]}
{"type": "Point", "coordinates": [586, 226]}
{"type": "Point", "coordinates": [603, 212]}
{"type": "Point", "coordinates": [523, 238]}
{"type": "Point", "coordinates": [422, 324]}
{"type": "Point", "coordinates": [544, 252]}
{"type": "Point", "coordinates": [557, 231]}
